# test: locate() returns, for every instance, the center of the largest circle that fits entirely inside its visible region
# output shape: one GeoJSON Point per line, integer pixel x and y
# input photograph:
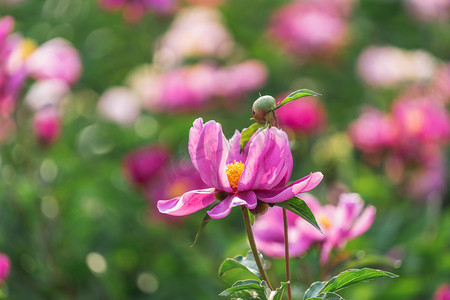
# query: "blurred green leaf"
{"type": "Point", "coordinates": [248, 133]}
{"type": "Point", "coordinates": [297, 95]}
{"type": "Point", "coordinates": [327, 296]}
{"type": "Point", "coordinates": [300, 208]}
{"type": "Point", "coordinates": [246, 263]}
{"type": "Point", "coordinates": [314, 289]}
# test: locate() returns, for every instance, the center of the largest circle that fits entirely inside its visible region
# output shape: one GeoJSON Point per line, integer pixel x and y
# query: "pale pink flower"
{"type": "Point", "coordinates": [429, 10]}
{"type": "Point", "coordinates": [45, 93]}
{"type": "Point", "coordinates": [120, 104]}
{"type": "Point", "coordinates": [260, 172]}
{"type": "Point", "coordinates": [195, 32]}
{"type": "Point", "coordinates": [55, 59]}
{"type": "Point", "coordinates": [389, 66]}
{"type": "Point", "coordinates": [304, 116]}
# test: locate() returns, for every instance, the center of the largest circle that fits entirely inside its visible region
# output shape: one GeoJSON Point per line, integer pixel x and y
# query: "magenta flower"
{"type": "Point", "coordinates": [373, 131]}
{"type": "Point", "coordinates": [305, 116]}
{"type": "Point", "coordinates": [47, 125]}
{"type": "Point", "coordinates": [55, 59]}
{"type": "Point", "coordinates": [5, 267]}
{"type": "Point", "coordinates": [145, 164]}
{"type": "Point", "coordinates": [442, 293]}
{"type": "Point", "coordinates": [261, 172]}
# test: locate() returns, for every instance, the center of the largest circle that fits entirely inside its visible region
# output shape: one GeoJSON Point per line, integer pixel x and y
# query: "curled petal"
{"type": "Point", "coordinates": [302, 185]}
{"type": "Point", "coordinates": [363, 223]}
{"type": "Point", "coordinates": [209, 149]}
{"type": "Point", "coordinates": [221, 210]}
{"type": "Point", "coordinates": [188, 203]}
{"type": "Point", "coordinates": [235, 147]}
{"type": "Point", "coordinates": [269, 161]}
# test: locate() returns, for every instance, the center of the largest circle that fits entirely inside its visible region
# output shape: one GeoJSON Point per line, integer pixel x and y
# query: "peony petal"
{"type": "Point", "coordinates": [363, 223]}
{"type": "Point", "coordinates": [209, 151]}
{"type": "Point", "coordinates": [269, 161]}
{"type": "Point", "coordinates": [188, 203]}
{"type": "Point", "coordinates": [221, 210]}
{"type": "Point", "coordinates": [235, 147]}
{"type": "Point", "coordinates": [194, 135]}
{"type": "Point", "coordinates": [305, 184]}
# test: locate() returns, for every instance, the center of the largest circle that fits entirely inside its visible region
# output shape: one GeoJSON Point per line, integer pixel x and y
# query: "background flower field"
{"type": "Point", "coordinates": [96, 103]}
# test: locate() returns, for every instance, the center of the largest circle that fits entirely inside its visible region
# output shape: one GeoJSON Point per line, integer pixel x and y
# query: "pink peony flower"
{"type": "Point", "coordinates": [5, 267]}
{"type": "Point", "coordinates": [145, 164]}
{"type": "Point", "coordinates": [373, 131]}
{"type": "Point", "coordinates": [310, 28]}
{"type": "Point", "coordinates": [260, 172]}
{"type": "Point", "coordinates": [341, 223]}
{"type": "Point", "coordinates": [389, 66]}
{"type": "Point", "coordinates": [47, 125]}
{"type": "Point", "coordinates": [442, 293]}
{"type": "Point", "coordinates": [55, 59]}
{"type": "Point", "coordinates": [421, 120]}
{"type": "Point", "coordinates": [44, 93]}
{"type": "Point", "coordinates": [305, 116]}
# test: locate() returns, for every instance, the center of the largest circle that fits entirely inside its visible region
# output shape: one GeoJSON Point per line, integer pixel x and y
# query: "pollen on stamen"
{"type": "Point", "coordinates": [234, 172]}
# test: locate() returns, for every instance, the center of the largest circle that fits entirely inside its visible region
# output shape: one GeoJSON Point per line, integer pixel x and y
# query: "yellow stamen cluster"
{"type": "Point", "coordinates": [27, 47]}
{"type": "Point", "coordinates": [325, 221]}
{"type": "Point", "coordinates": [234, 172]}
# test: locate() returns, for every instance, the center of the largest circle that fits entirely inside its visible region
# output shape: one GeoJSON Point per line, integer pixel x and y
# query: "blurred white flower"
{"type": "Point", "coordinates": [44, 93]}
{"type": "Point", "coordinates": [120, 104]}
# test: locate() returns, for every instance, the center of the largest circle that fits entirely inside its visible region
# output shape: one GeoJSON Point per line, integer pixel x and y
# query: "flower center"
{"type": "Point", "coordinates": [325, 221]}
{"type": "Point", "coordinates": [234, 172]}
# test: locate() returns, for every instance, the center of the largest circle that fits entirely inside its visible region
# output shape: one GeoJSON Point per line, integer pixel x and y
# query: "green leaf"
{"type": "Point", "coordinates": [246, 263]}
{"type": "Point", "coordinates": [327, 296]}
{"type": "Point", "coordinates": [247, 134]}
{"type": "Point", "coordinates": [350, 277]}
{"type": "Point", "coordinates": [299, 207]}
{"type": "Point", "coordinates": [205, 221]}
{"type": "Point", "coordinates": [314, 289]}
{"type": "Point", "coordinates": [278, 295]}
{"type": "Point", "coordinates": [245, 289]}
{"type": "Point", "coordinates": [251, 217]}
{"type": "Point", "coordinates": [297, 95]}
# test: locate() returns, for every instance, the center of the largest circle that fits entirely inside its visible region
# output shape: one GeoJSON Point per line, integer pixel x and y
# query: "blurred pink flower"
{"type": "Point", "coordinates": [44, 93]}
{"type": "Point", "coordinates": [373, 131]}
{"type": "Point", "coordinates": [442, 293]}
{"type": "Point", "coordinates": [13, 52]}
{"type": "Point", "coordinates": [144, 165]}
{"type": "Point", "coordinates": [55, 59]}
{"type": "Point", "coordinates": [269, 234]}
{"type": "Point", "coordinates": [134, 10]}
{"type": "Point", "coordinates": [195, 32]}
{"type": "Point", "coordinates": [120, 104]}
{"type": "Point", "coordinates": [238, 80]}
{"type": "Point", "coordinates": [310, 28]}
{"type": "Point", "coordinates": [304, 116]}
{"type": "Point", "coordinates": [5, 267]}
{"type": "Point", "coordinates": [341, 223]}
{"type": "Point", "coordinates": [429, 10]}
{"type": "Point", "coordinates": [388, 66]}
{"type": "Point", "coordinates": [260, 172]}
{"type": "Point", "coordinates": [440, 86]}
{"type": "Point", "coordinates": [47, 125]}
{"type": "Point", "coordinates": [421, 120]}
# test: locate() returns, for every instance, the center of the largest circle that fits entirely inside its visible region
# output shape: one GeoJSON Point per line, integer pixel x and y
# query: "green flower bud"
{"type": "Point", "coordinates": [263, 106]}
{"type": "Point", "coordinates": [260, 208]}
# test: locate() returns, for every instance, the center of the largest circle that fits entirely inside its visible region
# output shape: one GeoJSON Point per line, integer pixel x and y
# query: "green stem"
{"type": "Point", "coordinates": [251, 241]}
{"type": "Point", "coordinates": [286, 254]}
